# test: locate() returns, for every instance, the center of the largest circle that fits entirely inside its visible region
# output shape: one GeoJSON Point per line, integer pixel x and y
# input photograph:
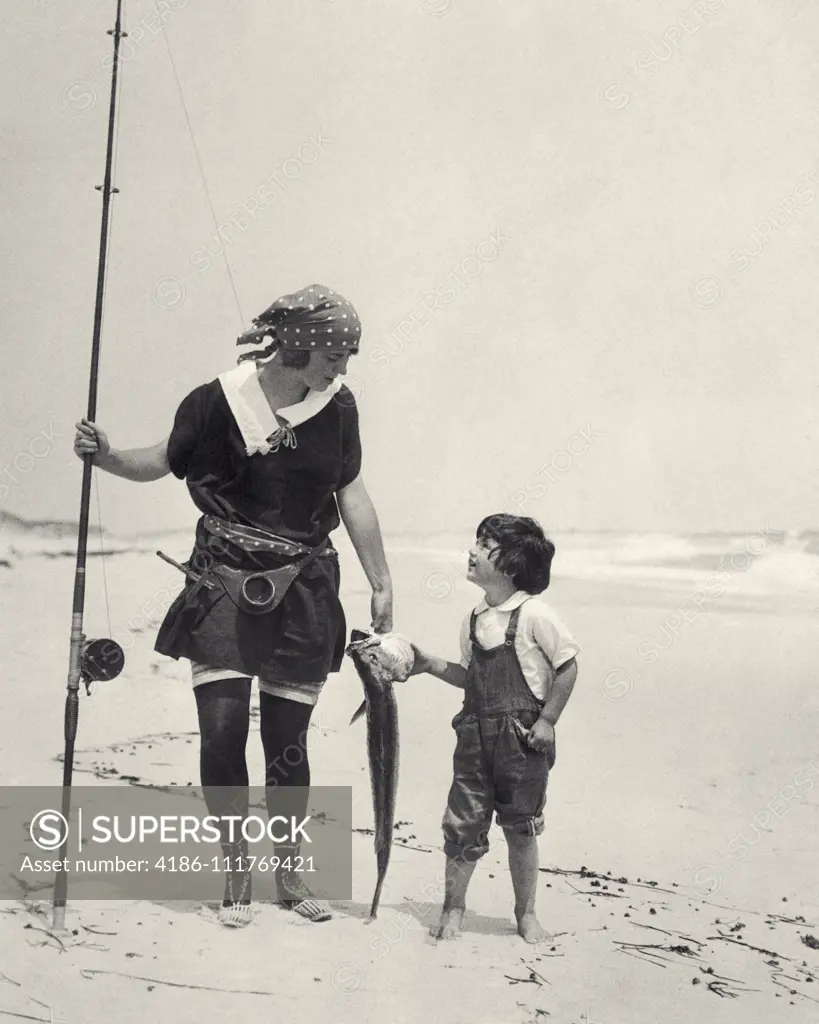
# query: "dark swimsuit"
{"type": "Point", "coordinates": [289, 491]}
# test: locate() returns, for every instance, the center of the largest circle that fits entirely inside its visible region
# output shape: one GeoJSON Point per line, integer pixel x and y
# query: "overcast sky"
{"type": "Point", "coordinates": [597, 222]}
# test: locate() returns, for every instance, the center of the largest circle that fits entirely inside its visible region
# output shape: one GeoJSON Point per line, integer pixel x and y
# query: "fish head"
{"type": "Point", "coordinates": [387, 657]}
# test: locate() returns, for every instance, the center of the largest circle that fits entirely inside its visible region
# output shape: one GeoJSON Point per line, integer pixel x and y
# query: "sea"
{"type": "Point", "coordinates": [774, 563]}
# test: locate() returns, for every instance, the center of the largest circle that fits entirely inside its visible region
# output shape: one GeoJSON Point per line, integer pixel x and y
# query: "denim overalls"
{"type": "Point", "coordinates": [494, 768]}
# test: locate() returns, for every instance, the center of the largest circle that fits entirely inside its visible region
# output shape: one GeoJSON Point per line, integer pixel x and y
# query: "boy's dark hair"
{"type": "Point", "coordinates": [525, 553]}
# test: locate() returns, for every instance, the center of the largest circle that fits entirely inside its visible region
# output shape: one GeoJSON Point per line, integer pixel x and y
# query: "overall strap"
{"type": "Point", "coordinates": [512, 628]}
{"type": "Point", "coordinates": [472, 620]}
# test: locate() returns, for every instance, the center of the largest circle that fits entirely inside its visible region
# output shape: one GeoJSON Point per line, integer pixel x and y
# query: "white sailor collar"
{"type": "Point", "coordinates": [261, 430]}
{"type": "Point", "coordinates": [509, 605]}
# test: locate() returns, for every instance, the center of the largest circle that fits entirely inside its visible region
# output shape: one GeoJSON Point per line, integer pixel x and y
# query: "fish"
{"type": "Point", "coordinates": [381, 660]}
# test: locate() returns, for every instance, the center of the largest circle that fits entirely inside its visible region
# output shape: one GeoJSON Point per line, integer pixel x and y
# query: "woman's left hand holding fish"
{"type": "Point", "coordinates": [381, 609]}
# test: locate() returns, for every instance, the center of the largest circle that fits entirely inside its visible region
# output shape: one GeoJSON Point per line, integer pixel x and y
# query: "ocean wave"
{"type": "Point", "coordinates": [767, 562]}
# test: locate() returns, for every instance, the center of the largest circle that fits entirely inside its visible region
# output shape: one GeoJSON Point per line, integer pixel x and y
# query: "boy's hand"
{"type": "Point", "coordinates": [421, 662]}
{"type": "Point", "coordinates": [449, 671]}
{"type": "Point", "coordinates": [541, 737]}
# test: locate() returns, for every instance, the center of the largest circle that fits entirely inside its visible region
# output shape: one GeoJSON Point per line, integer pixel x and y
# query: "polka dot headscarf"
{"type": "Point", "coordinates": [312, 318]}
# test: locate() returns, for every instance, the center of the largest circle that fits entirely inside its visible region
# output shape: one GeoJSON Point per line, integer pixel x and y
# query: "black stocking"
{"type": "Point", "coordinates": [224, 720]}
{"type": "Point", "coordinates": [284, 727]}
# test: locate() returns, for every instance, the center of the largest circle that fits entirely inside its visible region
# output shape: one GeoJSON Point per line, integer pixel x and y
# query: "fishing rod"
{"type": "Point", "coordinates": [89, 660]}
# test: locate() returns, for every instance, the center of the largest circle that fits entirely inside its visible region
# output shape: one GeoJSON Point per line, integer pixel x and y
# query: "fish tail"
{"type": "Point", "coordinates": [376, 897]}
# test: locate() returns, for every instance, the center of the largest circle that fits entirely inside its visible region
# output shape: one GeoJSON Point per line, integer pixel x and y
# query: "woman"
{"type": "Point", "coordinates": [271, 455]}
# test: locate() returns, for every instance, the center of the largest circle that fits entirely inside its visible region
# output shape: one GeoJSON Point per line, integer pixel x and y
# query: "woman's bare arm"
{"type": "Point", "coordinates": [139, 464]}
{"type": "Point", "coordinates": [359, 517]}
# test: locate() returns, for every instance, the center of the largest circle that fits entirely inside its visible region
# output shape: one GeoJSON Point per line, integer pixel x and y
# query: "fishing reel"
{"type": "Point", "coordinates": [100, 661]}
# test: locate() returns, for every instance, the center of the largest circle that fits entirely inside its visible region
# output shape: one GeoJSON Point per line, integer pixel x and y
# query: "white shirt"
{"type": "Point", "coordinates": [542, 643]}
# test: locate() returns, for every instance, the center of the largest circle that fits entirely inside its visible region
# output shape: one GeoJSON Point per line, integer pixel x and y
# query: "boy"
{"type": "Point", "coordinates": [518, 671]}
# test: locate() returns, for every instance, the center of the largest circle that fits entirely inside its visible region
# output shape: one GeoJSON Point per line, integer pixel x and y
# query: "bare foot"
{"type": "Point", "coordinates": [531, 930]}
{"type": "Point", "coordinates": [449, 927]}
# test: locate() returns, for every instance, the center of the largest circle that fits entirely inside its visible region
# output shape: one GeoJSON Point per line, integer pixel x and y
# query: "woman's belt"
{"type": "Point", "coordinates": [252, 539]}
{"type": "Point", "coordinates": [251, 590]}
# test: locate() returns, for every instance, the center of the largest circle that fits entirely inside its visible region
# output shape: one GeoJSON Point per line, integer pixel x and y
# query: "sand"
{"type": "Point", "coordinates": [673, 845]}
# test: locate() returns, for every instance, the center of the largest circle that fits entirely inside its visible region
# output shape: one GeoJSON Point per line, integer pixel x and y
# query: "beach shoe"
{"type": "Point", "coordinates": [295, 895]}
{"type": "Point", "coordinates": [237, 915]}
{"type": "Point", "coordinates": [312, 909]}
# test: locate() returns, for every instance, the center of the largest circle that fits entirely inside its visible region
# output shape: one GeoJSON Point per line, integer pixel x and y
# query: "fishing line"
{"type": "Point", "coordinates": [202, 172]}
{"type": "Point", "coordinates": [102, 554]}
